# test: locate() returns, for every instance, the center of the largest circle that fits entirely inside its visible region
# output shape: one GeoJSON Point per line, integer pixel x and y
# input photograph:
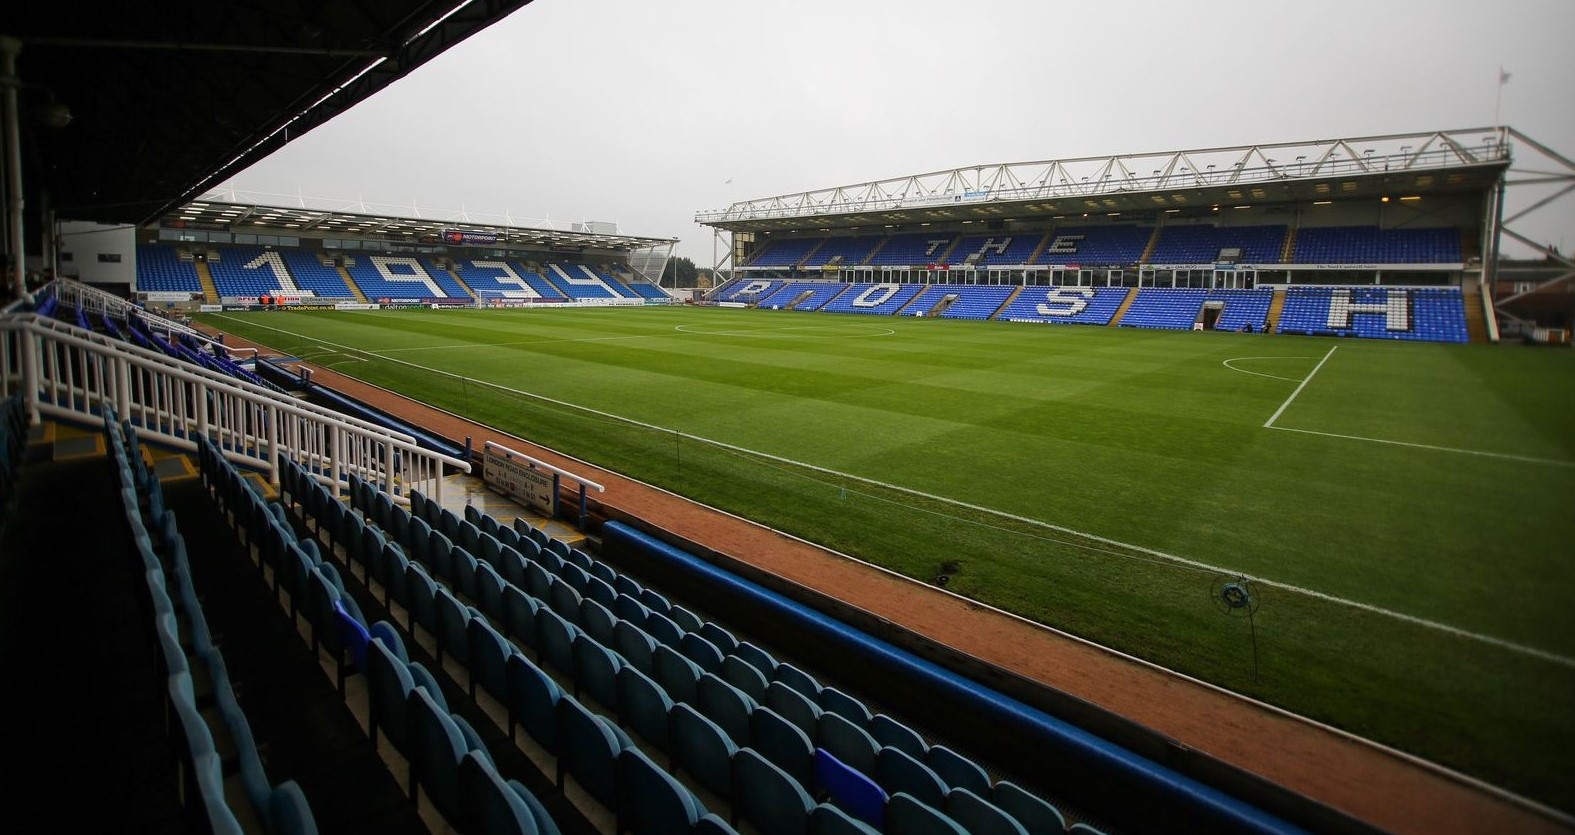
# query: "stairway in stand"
{"type": "Point", "coordinates": [210, 290]}
{"type": "Point", "coordinates": [1476, 317]}
{"type": "Point", "coordinates": [1275, 306]}
{"type": "Point", "coordinates": [1125, 303]}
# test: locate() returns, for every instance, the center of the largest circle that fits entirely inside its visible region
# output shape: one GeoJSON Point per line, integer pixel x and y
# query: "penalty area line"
{"type": "Point", "coordinates": [1269, 424]}
{"type": "Point", "coordinates": [1506, 456]}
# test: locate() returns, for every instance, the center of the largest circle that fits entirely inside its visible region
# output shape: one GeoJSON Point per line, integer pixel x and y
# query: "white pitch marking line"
{"type": "Point", "coordinates": [513, 344]}
{"type": "Point", "coordinates": [1507, 456]}
{"type": "Point", "coordinates": [1227, 364]}
{"type": "Point", "coordinates": [1502, 643]}
{"type": "Point", "coordinates": [1283, 406]}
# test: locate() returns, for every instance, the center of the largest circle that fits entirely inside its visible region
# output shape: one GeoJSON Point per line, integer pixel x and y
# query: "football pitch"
{"type": "Point", "coordinates": [1402, 514]}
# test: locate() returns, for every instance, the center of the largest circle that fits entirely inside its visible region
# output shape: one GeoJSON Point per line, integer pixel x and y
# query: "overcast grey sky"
{"type": "Point", "coordinates": [644, 112]}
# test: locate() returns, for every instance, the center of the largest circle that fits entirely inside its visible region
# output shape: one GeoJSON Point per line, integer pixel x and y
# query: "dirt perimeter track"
{"type": "Point", "coordinates": [1376, 785]}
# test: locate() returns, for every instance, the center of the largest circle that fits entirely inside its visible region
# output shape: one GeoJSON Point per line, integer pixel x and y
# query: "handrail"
{"type": "Point", "coordinates": [497, 450]}
{"type": "Point", "coordinates": [74, 292]}
{"type": "Point", "coordinates": [74, 335]}
{"type": "Point", "coordinates": [65, 372]}
{"type": "Point", "coordinates": [548, 467]}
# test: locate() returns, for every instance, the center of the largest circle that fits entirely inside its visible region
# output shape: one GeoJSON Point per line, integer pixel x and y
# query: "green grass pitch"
{"type": "Point", "coordinates": [1407, 518]}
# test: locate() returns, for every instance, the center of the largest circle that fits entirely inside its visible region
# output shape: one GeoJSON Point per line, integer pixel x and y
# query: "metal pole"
{"type": "Point", "coordinates": [10, 48]}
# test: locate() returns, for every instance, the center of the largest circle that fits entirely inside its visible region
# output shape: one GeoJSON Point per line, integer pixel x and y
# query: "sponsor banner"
{"type": "Point", "coordinates": [210, 308]}
{"type": "Point", "coordinates": [168, 296]}
{"type": "Point", "coordinates": [206, 226]}
{"type": "Point", "coordinates": [518, 480]}
{"type": "Point", "coordinates": [731, 304]}
{"type": "Point", "coordinates": [354, 306]}
{"type": "Point", "coordinates": [464, 236]}
{"type": "Point", "coordinates": [1370, 267]}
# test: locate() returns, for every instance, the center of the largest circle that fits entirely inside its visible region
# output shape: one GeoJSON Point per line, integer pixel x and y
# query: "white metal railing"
{"type": "Point", "coordinates": [494, 451]}
{"type": "Point", "coordinates": [93, 300]}
{"type": "Point", "coordinates": [70, 374]}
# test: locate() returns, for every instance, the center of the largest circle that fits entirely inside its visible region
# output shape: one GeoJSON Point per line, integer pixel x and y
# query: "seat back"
{"type": "Point", "coordinates": [678, 675]}
{"type": "Point", "coordinates": [898, 772]}
{"type": "Point", "coordinates": [851, 790]}
{"type": "Point", "coordinates": [489, 805]}
{"type": "Point", "coordinates": [848, 742]}
{"type": "Point", "coordinates": [596, 671]}
{"type": "Point", "coordinates": [957, 771]}
{"type": "Point", "coordinates": [781, 742]}
{"type": "Point", "coordinates": [1033, 812]}
{"type": "Point", "coordinates": [906, 815]}
{"type": "Point", "coordinates": [650, 801]}
{"type": "Point", "coordinates": [702, 749]}
{"type": "Point", "coordinates": [889, 732]}
{"type": "Point", "coordinates": [644, 706]}
{"type": "Point", "coordinates": [768, 797]}
{"type": "Point", "coordinates": [588, 750]}
{"type": "Point", "coordinates": [532, 700]}
{"type": "Point", "coordinates": [980, 816]}
{"type": "Point", "coordinates": [725, 705]}
{"type": "Point", "coordinates": [556, 636]}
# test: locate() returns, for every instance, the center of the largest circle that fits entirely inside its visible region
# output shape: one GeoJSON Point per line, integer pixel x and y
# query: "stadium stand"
{"type": "Point", "coordinates": [1206, 244]}
{"type": "Point", "coordinates": [576, 282]}
{"type": "Point", "coordinates": [1069, 305]}
{"type": "Point", "coordinates": [785, 252]}
{"type": "Point", "coordinates": [959, 301]}
{"type": "Point", "coordinates": [1171, 309]}
{"type": "Point", "coordinates": [639, 285]}
{"type": "Point", "coordinates": [311, 274]}
{"type": "Point", "coordinates": [401, 277]}
{"type": "Point", "coordinates": [251, 271]}
{"type": "Point", "coordinates": [1179, 309]}
{"type": "Point", "coordinates": [497, 279]}
{"type": "Point", "coordinates": [1244, 309]}
{"type": "Point", "coordinates": [845, 252]}
{"type": "Point", "coordinates": [160, 269]}
{"type": "Point", "coordinates": [915, 248]}
{"type": "Point", "coordinates": [710, 722]}
{"type": "Point", "coordinates": [879, 299]}
{"type": "Point", "coordinates": [1096, 245]}
{"type": "Point", "coordinates": [996, 249]}
{"type": "Point", "coordinates": [1428, 314]}
{"type": "Point", "coordinates": [748, 289]}
{"type": "Point", "coordinates": [534, 277]}
{"type": "Point", "coordinates": [1372, 245]}
{"type": "Point", "coordinates": [803, 295]}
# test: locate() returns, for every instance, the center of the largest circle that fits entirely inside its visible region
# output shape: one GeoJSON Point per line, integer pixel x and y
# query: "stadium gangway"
{"type": "Point", "coordinates": [92, 299]}
{"type": "Point", "coordinates": [67, 373]}
{"type": "Point", "coordinates": [494, 448]}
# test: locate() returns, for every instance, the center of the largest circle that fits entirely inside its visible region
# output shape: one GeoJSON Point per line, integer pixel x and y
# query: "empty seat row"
{"type": "Point", "coordinates": [630, 649]}
{"type": "Point", "coordinates": [447, 759]}
{"type": "Point", "coordinates": [194, 668]}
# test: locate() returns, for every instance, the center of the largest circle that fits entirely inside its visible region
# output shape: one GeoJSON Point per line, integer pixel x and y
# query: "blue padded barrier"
{"type": "Point", "coordinates": [355, 408]}
{"type": "Point", "coordinates": [1110, 780]}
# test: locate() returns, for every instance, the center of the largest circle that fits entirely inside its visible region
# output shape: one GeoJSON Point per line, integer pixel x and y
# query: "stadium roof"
{"type": "Point", "coordinates": [355, 221]}
{"type": "Point", "coordinates": [1439, 162]}
{"type": "Point", "coordinates": [168, 99]}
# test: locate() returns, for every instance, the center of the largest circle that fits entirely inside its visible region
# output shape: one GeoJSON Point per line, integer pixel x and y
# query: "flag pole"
{"type": "Point", "coordinates": [1498, 98]}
